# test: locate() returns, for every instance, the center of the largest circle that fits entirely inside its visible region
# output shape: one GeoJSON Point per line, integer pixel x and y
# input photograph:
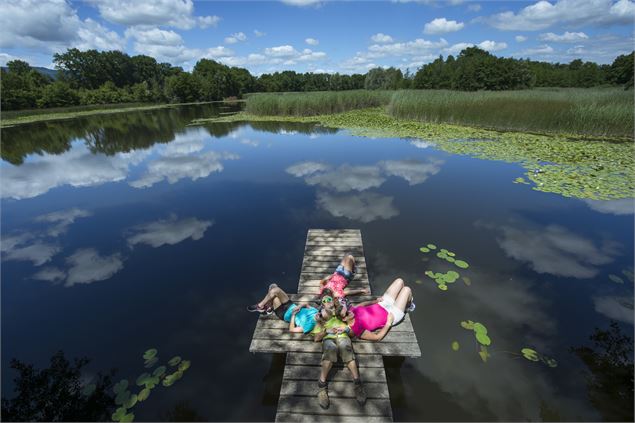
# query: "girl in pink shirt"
{"type": "Point", "coordinates": [339, 280]}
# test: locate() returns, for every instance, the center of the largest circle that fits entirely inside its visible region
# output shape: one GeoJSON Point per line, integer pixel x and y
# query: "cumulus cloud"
{"type": "Point", "coordinates": [86, 265]}
{"type": "Point", "coordinates": [235, 38]}
{"type": "Point", "coordinates": [413, 171]}
{"type": "Point", "coordinates": [543, 14]}
{"type": "Point", "coordinates": [177, 13]}
{"type": "Point", "coordinates": [364, 207]}
{"type": "Point", "coordinates": [348, 178]}
{"type": "Point", "coordinates": [259, 33]}
{"type": "Point", "coordinates": [37, 253]}
{"type": "Point", "coordinates": [486, 45]}
{"type": "Point", "coordinates": [311, 41]}
{"type": "Point", "coordinates": [9, 242]}
{"type": "Point", "coordinates": [622, 206]}
{"type": "Point", "coordinates": [520, 38]}
{"type": "Point", "coordinates": [175, 168]}
{"type": "Point", "coordinates": [52, 26]}
{"type": "Point", "coordinates": [168, 231]}
{"type": "Point", "coordinates": [62, 219]}
{"type": "Point", "coordinates": [306, 168]}
{"type": "Point", "coordinates": [415, 47]}
{"type": "Point", "coordinates": [442, 26]}
{"type": "Point", "coordinates": [567, 37]}
{"type": "Point", "coordinates": [474, 7]}
{"type": "Point", "coordinates": [381, 38]}
{"type": "Point", "coordinates": [50, 274]}
{"type": "Point", "coordinates": [616, 308]}
{"type": "Point", "coordinates": [538, 51]}
{"type": "Point", "coordinates": [555, 250]}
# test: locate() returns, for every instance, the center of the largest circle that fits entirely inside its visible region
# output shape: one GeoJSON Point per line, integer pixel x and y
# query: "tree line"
{"type": "Point", "coordinates": [93, 77]}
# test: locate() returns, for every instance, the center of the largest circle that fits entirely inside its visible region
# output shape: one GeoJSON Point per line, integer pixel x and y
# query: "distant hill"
{"type": "Point", "coordinates": [45, 71]}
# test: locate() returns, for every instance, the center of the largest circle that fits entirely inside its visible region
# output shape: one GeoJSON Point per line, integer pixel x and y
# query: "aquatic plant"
{"type": "Point", "coordinates": [571, 165]}
{"type": "Point", "coordinates": [533, 355]}
{"type": "Point", "coordinates": [480, 333]}
{"type": "Point", "coordinates": [455, 346]}
{"type": "Point", "coordinates": [442, 279]}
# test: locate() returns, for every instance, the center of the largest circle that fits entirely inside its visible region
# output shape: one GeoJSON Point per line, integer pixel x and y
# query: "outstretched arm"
{"type": "Point", "coordinates": [349, 291]}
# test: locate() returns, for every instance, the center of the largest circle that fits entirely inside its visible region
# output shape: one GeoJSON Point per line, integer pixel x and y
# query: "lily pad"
{"type": "Point", "coordinates": [461, 264]}
{"type": "Point", "coordinates": [616, 278]}
{"type": "Point", "coordinates": [151, 362]}
{"type": "Point", "coordinates": [185, 364]}
{"type": "Point", "coordinates": [143, 379]}
{"type": "Point", "coordinates": [432, 246]}
{"type": "Point", "coordinates": [122, 398]}
{"type": "Point", "coordinates": [424, 250]}
{"type": "Point", "coordinates": [530, 354]}
{"type": "Point", "coordinates": [150, 354]}
{"type": "Point", "coordinates": [127, 418]}
{"type": "Point", "coordinates": [442, 287]}
{"type": "Point", "coordinates": [120, 386]}
{"type": "Point", "coordinates": [483, 339]}
{"type": "Point", "coordinates": [455, 346]}
{"type": "Point", "coordinates": [469, 325]}
{"type": "Point", "coordinates": [159, 371]}
{"type": "Point", "coordinates": [89, 389]}
{"type": "Point", "coordinates": [441, 255]}
{"type": "Point", "coordinates": [451, 254]}
{"type": "Point", "coordinates": [429, 273]}
{"type": "Point", "coordinates": [143, 394]}
{"type": "Point", "coordinates": [450, 259]}
{"type": "Point", "coordinates": [118, 414]}
{"type": "Point", "coordinates": [484, 354]}
{"type": "Point", "coordinates": [174, 361]}
{"type": "Point", "coordinates": [551, 362]}
{"type": "Point", "coordinates": [480, 328]}
{"type": "Point", "coordinates": [132, 400]}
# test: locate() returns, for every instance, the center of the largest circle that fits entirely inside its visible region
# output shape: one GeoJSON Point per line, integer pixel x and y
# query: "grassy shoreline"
{"type": "Point", "coordinates": [41, 115]}
{"type": "Point", "coordinates": [597, 168]}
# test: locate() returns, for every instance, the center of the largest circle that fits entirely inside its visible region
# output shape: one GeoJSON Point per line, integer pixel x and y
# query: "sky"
{"type": "Point", "coordinates": [316, 35]}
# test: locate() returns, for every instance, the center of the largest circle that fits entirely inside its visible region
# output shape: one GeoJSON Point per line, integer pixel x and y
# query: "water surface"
{"type": "Point", "coordinates": [131, 231]}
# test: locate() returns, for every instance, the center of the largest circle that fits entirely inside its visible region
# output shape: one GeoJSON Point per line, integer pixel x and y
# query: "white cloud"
{"type": "Point", "coordinates": [422, 144]}
{"type": "Point", "coordinates": [543, 14]}
{"type": "Point", "coordinates": [311, 41]}
{"type": "Point", "coordinates": [622, 206]}
{"type": "Point", "coordinates": [520, 38]}
{"type": "Point", "coordinates": [555, 250]}
{"type": "Point", "coordinates": [155, 36]}
{"type": "Point", "coordinates": [236, 37]}
{"type": "Point", "coordinates": [416, 47]}
{"type": "Point", "coordinates": [9, 242]}
{"type": "Point", "coordinates": [381, 38]}
{"type": "Point", "coordinates": [168, 231]}
{"type": "Point", "coordinates": [38, 253]}
{"type": "Point", "coordinates": [175, 168]}
{"type": "Point", "coordinates": [281, 51]}
{"type": "Point", "coordinates": [177, 13]}
{"type": "Point", "coordinates": [348, 178]}
{"type": "Point", "coordinates": [537, 51]}
{"type": "Point", "coordinates": [413, 171]}
{"type": "Point", "coordinates": [50, 274]}
{"type": "Point", "coordinates": [442, 26]}
{"type": "Point", "coordinates": [52, 26]}
{"type": "Point", "coordinates": [259, 33]}
{"type": "Point", "coordinates": [86, 265]}
{"type": "Point", "coordinates": [616, 308]}
{"type": "Point", "coordinates": [301, 3]}
{"type": "Point", "coordinates": [567, 37]}
{"type": "Point", "coordinates": [62, 219]}
{"type": "Point", "coordinates": [474, 7]}
{"type": "Point", "coordinates": [486, 45]}
{"type": "Point", "coordinates": [306, 168]}
{"type": "Point", "coordinates": [365, 207]}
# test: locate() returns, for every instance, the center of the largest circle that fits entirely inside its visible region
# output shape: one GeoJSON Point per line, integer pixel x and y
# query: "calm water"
{"type": "Point", "coordinates": [131, 231]}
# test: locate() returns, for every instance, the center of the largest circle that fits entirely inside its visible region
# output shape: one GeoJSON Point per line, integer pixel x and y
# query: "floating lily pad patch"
{"type": "Point", "coordinates": [533, 355]}
{"type": "Point", "coordinates": [455, 346]}
{"type": "Point", "coordinates": [521, 180]}
{"type": "Point", "coordinates": [424, 249]}
{"type": "Point", "coordinates": [119, 414]}
{"type": "Point", "coordinates": [120, 386]}
{"type": "Point", "coordinates": [174, 361]}
{"type": "Point", "coordinates": [150, 354]}
{"type": "Point", "coordinates": [442, 279]}
{"type": "Point", "coordinates": [143, 394]}
{"type": "Point", "coordinates": [484, 354]}
{"type": "Point", "coordinates": [480, 332]}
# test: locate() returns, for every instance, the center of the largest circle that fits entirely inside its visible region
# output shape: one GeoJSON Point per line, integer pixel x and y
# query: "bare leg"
{"type": "Point", "coordinates": [326, 368]}
{"type": "Point", "coordinates": [352, 366]}
{"type": "Point", "coordinates": [348, 262]}
{"type": "Point", "coordinates": [404, 297]}
{"type": "Point", "coordinates": [276, 296]}
{"type": "Point", "coordinates": [394, 288]}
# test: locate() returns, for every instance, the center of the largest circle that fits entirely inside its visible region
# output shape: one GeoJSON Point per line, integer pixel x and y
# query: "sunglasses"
{"type": "Point", "coordinates": [327, 299]}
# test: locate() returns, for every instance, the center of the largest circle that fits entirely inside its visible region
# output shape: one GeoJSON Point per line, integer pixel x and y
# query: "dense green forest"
{"type": "Point", "coordinates": [93, 77]}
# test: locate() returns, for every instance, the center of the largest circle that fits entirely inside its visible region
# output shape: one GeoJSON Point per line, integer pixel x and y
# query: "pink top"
{"type": "Point", "coordinates": [370, 318]}
{"type": "Point", "coordinates": [336, 283]}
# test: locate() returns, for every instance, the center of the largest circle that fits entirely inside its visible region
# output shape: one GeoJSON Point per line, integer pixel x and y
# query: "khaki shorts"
{"type": "Point", "coordinates": [330, 348]}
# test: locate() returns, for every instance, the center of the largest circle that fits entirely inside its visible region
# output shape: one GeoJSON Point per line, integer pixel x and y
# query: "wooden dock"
{"type": "Point", "coordinates": [298, 395]}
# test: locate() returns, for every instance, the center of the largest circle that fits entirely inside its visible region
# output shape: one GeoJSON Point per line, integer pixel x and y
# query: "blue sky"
{"type": "Point", "coordinates": [310, 35]}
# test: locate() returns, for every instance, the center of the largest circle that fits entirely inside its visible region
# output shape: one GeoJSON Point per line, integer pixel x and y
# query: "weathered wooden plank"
{"type": "Point", "coordinates": [312, 373]}
{"type": "Point", "coordinates": [333, 231]}
{"type": "Point", "coordinates": [337, 389]}
{"type": "Point", "coordinates": [322, 266]}
{"type": "Point", "coordinates": [402, 349]}
{"type": "Point", "coordinates": [298, 417]}
{"type": "Point", "coordinates": [333, 259]}
{"type": "Point", "coordinates": [339, 406]}
{"type": "Point", "coordinates": [314, 359]}
{"type": "Point", "coordinates": [284, 334]}
{"type": "Point", "coordinates": [332, 251]}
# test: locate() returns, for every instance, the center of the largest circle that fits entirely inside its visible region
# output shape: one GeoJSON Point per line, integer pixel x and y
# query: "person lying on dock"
{"type": "Point", "coordinates": [339, 280]}
{"type": "Point", "coordinates": [333, 332]}
{"type": "Point", "coordinates": [301, 318]}
{"type": "Point", "coordinates": [382, 313]}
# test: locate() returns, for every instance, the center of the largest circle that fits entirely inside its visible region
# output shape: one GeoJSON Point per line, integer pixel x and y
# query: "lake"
{"type": "Point", "coordinates": [131, 231]}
